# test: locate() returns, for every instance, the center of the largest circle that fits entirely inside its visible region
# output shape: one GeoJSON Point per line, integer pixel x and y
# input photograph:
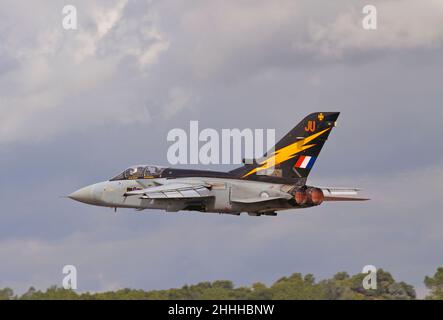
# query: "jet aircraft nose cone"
{"type": "Point", "coordinates": [85, 195]}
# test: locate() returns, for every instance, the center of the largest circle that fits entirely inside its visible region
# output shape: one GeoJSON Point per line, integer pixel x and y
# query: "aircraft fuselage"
{"type": "Point", "coordinates": [223, 199]}
{"type": "Point", "coordinates": [276, 183]}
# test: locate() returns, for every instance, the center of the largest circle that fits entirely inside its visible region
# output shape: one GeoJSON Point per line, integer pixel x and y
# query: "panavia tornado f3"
{"type": "Point", "coordinates": [278, 182]}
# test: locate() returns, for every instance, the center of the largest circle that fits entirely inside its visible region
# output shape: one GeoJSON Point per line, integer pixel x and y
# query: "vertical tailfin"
{"type": "Point", "coordinates": [295, 154]}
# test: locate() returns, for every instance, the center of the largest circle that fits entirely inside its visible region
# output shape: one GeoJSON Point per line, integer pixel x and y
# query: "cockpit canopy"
{"type": "Point", "coordinates": [140, 172]}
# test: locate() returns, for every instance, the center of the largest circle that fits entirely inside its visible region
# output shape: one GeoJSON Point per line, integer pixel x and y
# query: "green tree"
{"type": "Point", "coordinates": [344, 287]}
{"type": "Point", "coordinates": [52, 293]}
{"type": "Point", "coordinates": [296, 287]}
{"type": "Point", "coordinates": [259, 291]}
{"type": "Point", "coordinates": [435, 285]}
{"type": "Point", "coordinates": [6, 294]}
{"type": "Point", "coordinates": [340, 286]}
{"type": "Point", "coordinates": [387, 287]}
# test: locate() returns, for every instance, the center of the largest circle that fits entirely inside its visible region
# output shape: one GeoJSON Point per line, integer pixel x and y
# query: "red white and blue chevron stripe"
{"type": "Point", "coordinates": [304, 162]}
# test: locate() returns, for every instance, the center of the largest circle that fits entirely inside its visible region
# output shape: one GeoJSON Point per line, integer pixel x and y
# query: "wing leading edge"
{"type": "Point", "coordinates": [172, 191]}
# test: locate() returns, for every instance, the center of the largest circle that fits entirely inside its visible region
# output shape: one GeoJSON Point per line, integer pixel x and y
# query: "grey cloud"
{"type": "Point", "coordinates": [128, 38]}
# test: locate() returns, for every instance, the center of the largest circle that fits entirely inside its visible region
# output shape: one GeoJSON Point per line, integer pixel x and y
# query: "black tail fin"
{"type": "Point", "coordinates": [295, 154]}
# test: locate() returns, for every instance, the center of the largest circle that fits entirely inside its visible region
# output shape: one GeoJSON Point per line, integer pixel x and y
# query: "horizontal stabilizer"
{"type": "Point", "coordinates": [341, 194]}
{"type": "Point", "coordinates": [345, 199]}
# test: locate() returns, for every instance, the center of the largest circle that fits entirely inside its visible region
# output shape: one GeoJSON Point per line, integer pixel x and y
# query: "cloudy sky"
{"type": "Point", "coordinates": [78, 106]}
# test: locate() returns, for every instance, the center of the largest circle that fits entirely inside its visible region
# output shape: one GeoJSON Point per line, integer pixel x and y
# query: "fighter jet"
{"type": "Point", "coordinates": [275, 183]}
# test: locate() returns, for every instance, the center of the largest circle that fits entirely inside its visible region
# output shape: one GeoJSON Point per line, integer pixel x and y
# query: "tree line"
{"type": "Point", "coordinates": [297, 286]}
